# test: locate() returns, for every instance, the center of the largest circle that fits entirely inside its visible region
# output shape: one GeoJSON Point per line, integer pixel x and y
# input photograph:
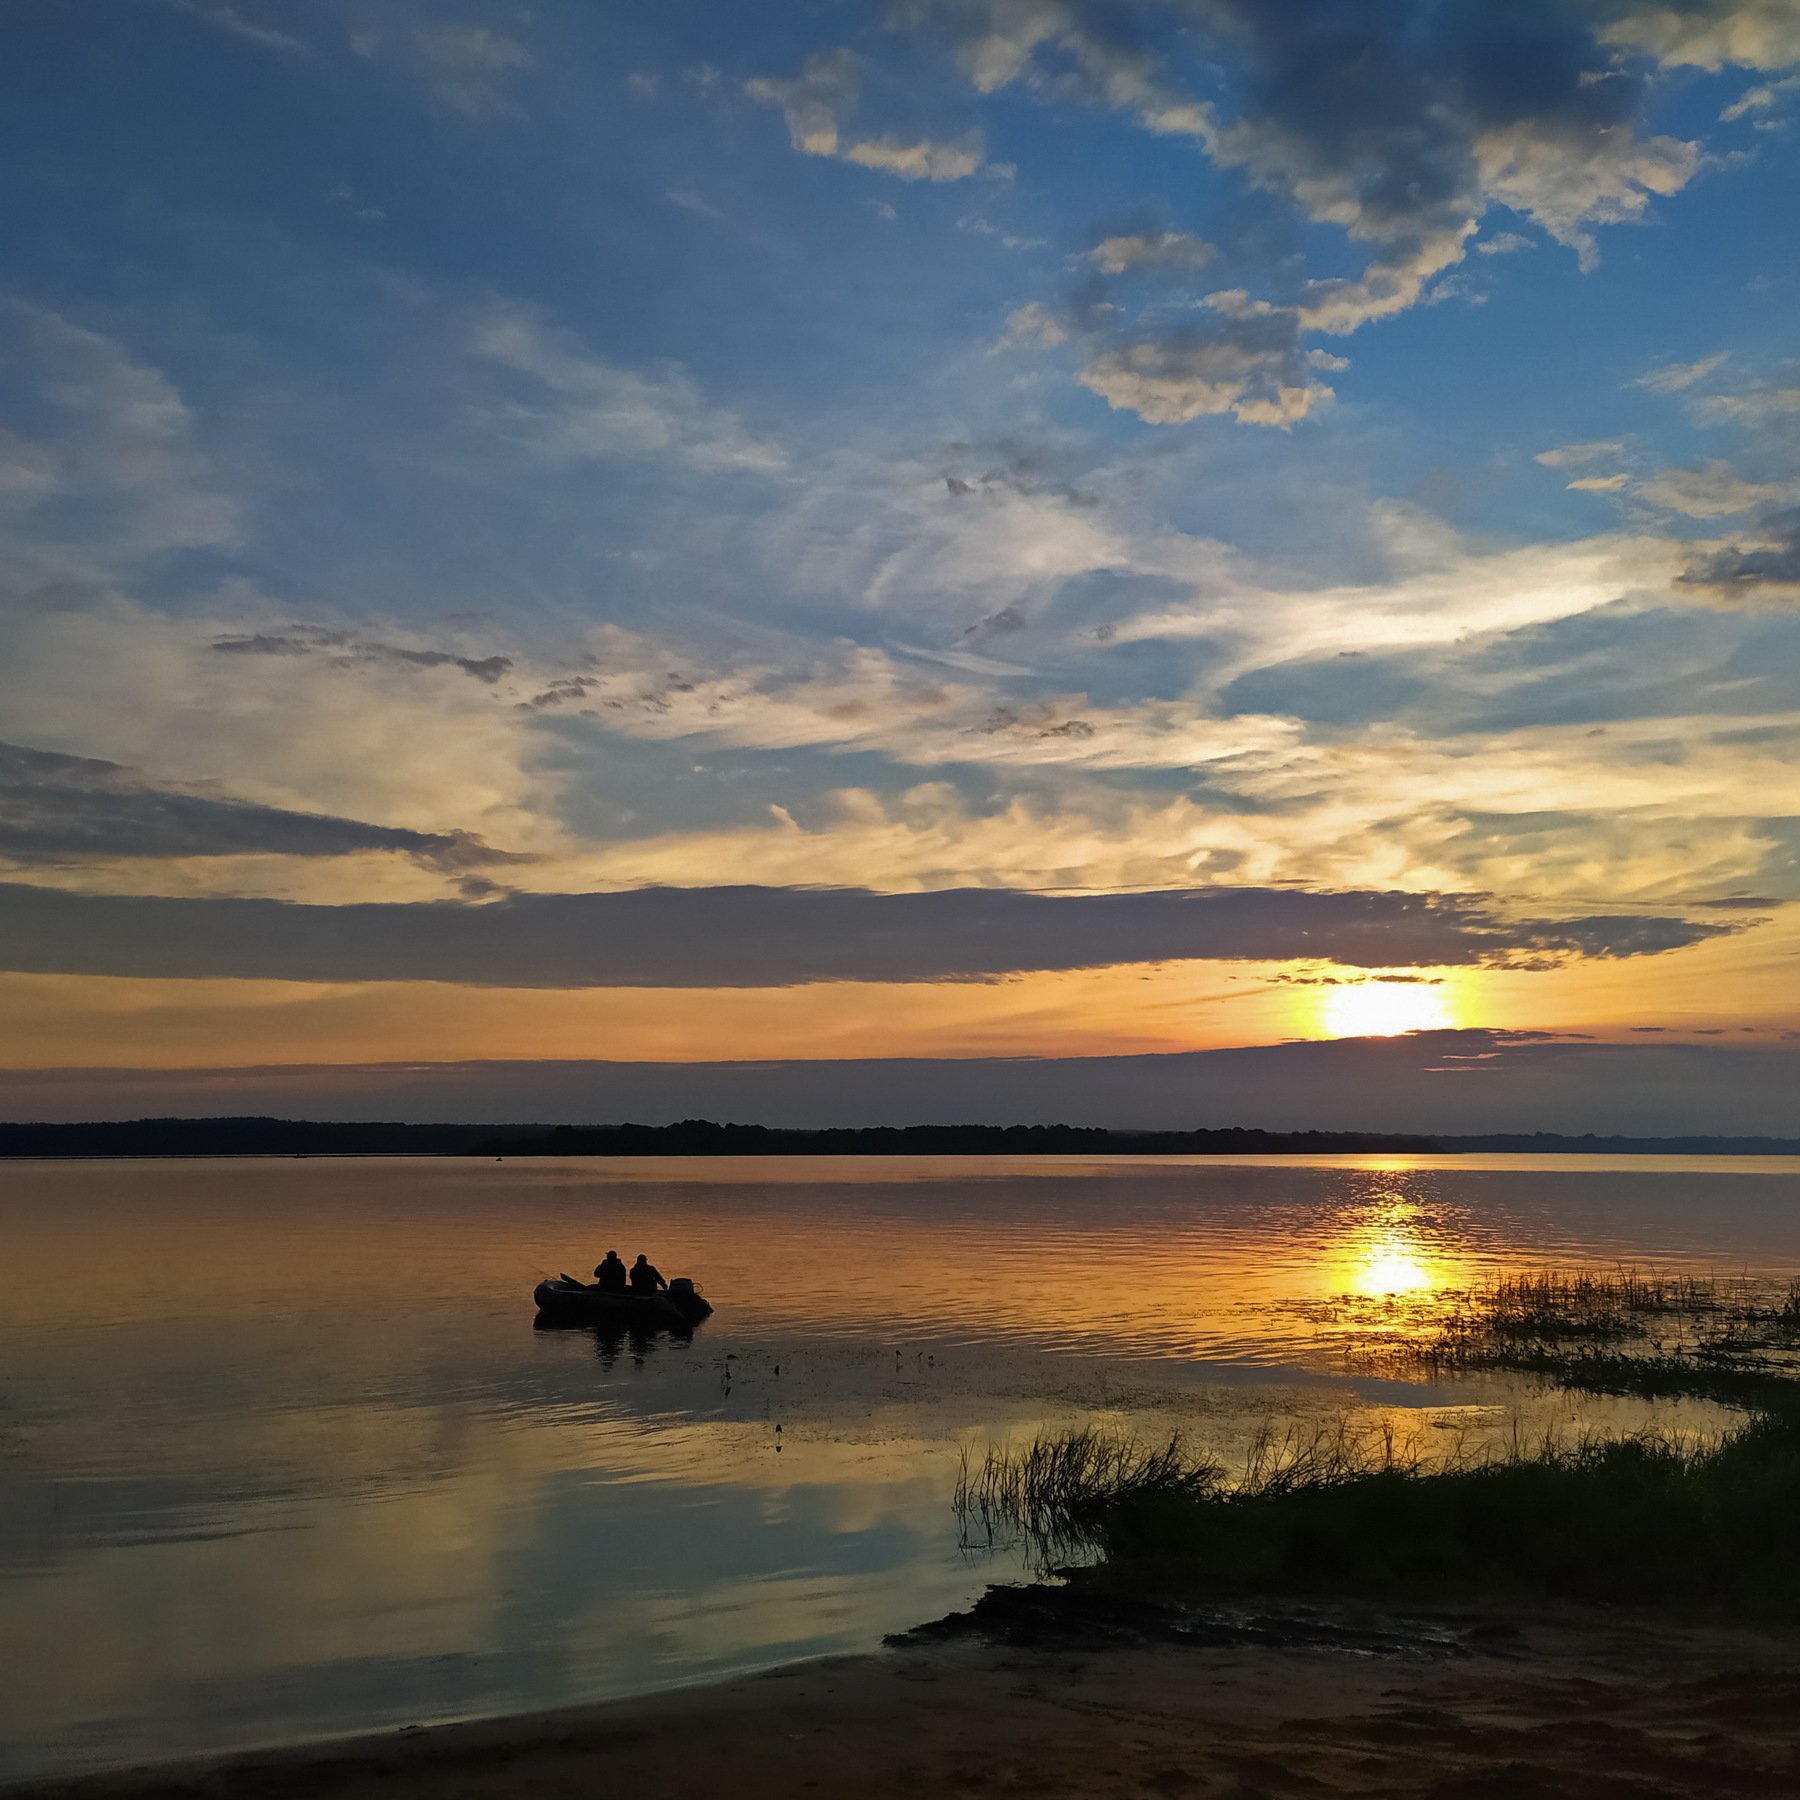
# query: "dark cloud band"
{"type": "Point", "coordinates": [1438, 1081]}
{"type": "Point", "coordinates": [780, 937]}
{"type": "Point", "coordinates": [57, 809]}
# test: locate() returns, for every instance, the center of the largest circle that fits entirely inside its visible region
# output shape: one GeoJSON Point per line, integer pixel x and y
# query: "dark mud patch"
{"type": "Point", "coordinates": [1041, 1616]}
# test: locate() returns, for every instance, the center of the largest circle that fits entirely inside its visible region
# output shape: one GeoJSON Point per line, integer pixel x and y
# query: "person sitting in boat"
{"type": "Point", "coordinates": [646, 1278]}
{"type": "Point", "coordinates": [609, 1275]}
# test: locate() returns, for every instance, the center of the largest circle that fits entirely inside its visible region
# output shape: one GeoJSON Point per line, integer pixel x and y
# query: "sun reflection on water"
{"type": "Point", "coordinates": [1390, 1267]}
{"type": "Point", "coordinates": [1397, 1250]}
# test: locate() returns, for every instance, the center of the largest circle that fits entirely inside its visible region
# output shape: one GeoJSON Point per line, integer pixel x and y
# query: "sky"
{"type": "Point", "coordinates": [1166, 562]}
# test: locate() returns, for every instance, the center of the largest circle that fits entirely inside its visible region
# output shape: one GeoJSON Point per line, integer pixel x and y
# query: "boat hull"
{"type": "Point", "coordinates": [571, 1303]}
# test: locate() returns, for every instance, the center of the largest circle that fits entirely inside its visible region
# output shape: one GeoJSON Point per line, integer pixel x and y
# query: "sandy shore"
{"type": "Point", "coordinates": [1583, 1707]}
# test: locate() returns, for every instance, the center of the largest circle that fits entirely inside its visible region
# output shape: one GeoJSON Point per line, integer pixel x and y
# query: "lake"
{"type": "Point", "coordinates": [282, 1455]}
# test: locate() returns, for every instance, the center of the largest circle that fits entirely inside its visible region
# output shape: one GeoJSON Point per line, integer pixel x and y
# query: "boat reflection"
{"type": "Point", "coordinates": [612, 1341]}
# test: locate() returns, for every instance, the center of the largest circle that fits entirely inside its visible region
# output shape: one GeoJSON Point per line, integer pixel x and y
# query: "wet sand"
{"type": "Point", "coordinates": [1582, 1706]}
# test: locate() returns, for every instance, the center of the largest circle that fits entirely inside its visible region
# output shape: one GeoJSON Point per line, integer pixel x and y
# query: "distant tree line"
{"type": "Point", "coordinates": [702, 1137]}
{"type": "Point", "coordinates": [244, 1137]}
{"type": "Point", "coordinates": [705, 1137]}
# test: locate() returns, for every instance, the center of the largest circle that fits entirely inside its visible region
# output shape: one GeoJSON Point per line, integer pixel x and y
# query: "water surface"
{"type": "Point", "coordinates": [281, 1454]}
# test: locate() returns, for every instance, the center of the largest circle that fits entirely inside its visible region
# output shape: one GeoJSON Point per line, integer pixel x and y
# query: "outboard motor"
{"type": "Point", "coordinates": [688, 1300]}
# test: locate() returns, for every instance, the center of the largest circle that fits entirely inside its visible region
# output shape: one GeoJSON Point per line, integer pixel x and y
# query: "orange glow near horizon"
{"type": "Point", "coordinates": [1738, 983]}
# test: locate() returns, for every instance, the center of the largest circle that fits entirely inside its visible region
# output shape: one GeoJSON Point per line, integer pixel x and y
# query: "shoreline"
{"type": "Point", "coordinates": [1465, 1705]}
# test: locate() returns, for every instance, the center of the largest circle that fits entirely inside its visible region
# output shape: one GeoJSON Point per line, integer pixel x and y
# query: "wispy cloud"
{"type": "Point", "coordinates": [113, 470]}
{"type": "Point", "coordinates": [575, 405]}
{"type": "Point", "coordinates": [1760, 403]}
{"type": "Point", "coordinates": [1714, 490]}
{"type": "Point", "coordinates": [234, 23]}
{"type": "Point", "coordinates": [467, 67]}
{"type": "Point", "coordinates": [1673, 378]}
{"type": "Point", "coordinates": [1565, 455]}
{"type": "Point", "coordinates": [816, 102]}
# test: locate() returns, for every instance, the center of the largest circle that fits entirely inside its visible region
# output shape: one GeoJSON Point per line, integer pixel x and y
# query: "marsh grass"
{"type": "Point", "coordinates": [1652, 1517]}
{"type": "Point", "coordinates": [1058, 1492]}
{"type": "Point", "coordinates": [1616, 1332]}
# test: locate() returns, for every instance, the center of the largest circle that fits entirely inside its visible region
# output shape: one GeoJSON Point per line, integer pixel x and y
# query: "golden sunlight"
{"type": "Point", "coordinates": [1386, 1008]}
{"type": "Point", "coordinates": [1397, 1252]}
{"type": "Point", "coordinates": [1391, 1266]}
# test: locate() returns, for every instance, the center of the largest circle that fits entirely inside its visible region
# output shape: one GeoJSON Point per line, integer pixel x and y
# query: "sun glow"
{"type": "Point", "coordinates": [1386, 1008]}
{"type": "Point", "coordinates": [1392, 1267]}
{"type": "Point", "coordinates": [1398, 1253]}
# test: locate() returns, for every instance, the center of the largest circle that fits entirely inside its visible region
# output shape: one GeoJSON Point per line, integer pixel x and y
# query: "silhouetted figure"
{"type": "Point", "coordinates": [646, 1278]}
{"type": "Point", "coordinates": [609, 1275]}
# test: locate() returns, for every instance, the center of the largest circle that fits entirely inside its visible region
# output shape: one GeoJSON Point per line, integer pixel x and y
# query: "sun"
{"type": "Point", "coordinates": [1386, 1008]}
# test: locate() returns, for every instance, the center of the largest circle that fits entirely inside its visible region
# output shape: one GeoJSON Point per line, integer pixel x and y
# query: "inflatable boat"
{"type": "Point", "coordinates": [562, 1300]}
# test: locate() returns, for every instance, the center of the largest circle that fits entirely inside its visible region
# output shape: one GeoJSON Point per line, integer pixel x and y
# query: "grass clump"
{"type": "Point", "coordinates": [1059, 1492]}
{"type": "Point", "coordinates": [1735, 1341]}
{"type": "Point", "coordinates": [1622, 1332]}
{"type": "Point", "coordinates": [1643, 1519]}
{"type": "Point", "coordinates": [1648, 1518]}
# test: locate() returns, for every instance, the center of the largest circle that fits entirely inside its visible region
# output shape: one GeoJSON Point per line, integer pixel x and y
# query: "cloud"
{"type": "Point", "coordinates": [233, 23]}
{"type": "Point", "coordinates": [1757, 404]}
{"type": "Point", "coordinates": [922, 160]}
{"type": "Point", "coordinates": [57, 809]}
{"type": "Point", "coordinates": [1032, 324]}
{"type": "Point", "coordinates": [1438, 1081]}
{"type": "Point", "coordinates": [113, 472]}
{"type": "Point", "coordinates": [471, 67]}
{"type": "Point", "coordinates": [1712, 491]}
{"type": "Point", "coordinates": [827, 85]}
{"type": "Point", "coordinates": [778, 937]}
{"type": "Point", "coordinates": [1436, 588]}
{"type": "Point", "coordinates": [316, 640]}
{"type": "Point", "coordinates": [1654, 810]}
{"type": "Point", "coordinates": [1389, 285]}
{"type": "Point", "coordinates": [909, 709]}
{"type": "Point", "coordinates": [1403, 139]}
{"type": "Point", "coordinates": [1570, 174]}
{"type": "Point", "coordinates": [691, 202]}
{"type": "Point", "coordinates": [1768, 571]}
{"type": "Point", "coordinates": [417, 744]}
{"type": "Point", "coordinates": [1251, 367]}
{"type": "Point", "coordinates": [1672, 378]}
{"type": "Point", "coordinates": [1759, 103]}
{"type": "Point", "coordinates": [578, 407]}
{"type": "Point", "coordinates": [1565, 455]}
{"type": "Point", "coordinates": [815, 103]}
{"type": "Point", "coordinates": [1712, 34]}
{"type": "Point", "coordinates": [1163, 251]}
{"type": "Point", "coordinates": [1504, 243]}
{"type": "Point", "coordinates": [1599, 484]}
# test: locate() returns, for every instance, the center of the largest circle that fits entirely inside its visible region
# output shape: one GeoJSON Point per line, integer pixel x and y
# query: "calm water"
{"type": "Point", "coordinates": [281, 1454]}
